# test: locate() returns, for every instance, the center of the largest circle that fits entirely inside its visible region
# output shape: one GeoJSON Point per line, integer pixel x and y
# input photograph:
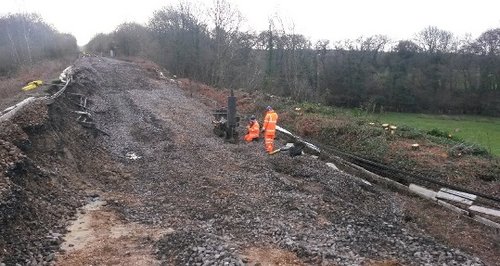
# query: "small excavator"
{"type": "Point", "coordinates": [226, 120]}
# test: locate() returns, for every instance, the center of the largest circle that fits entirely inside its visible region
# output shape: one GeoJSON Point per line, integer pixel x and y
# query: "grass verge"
{"type": "Point", "coordinates": [10, 86]}
{"type": "Point", "coordinates": [484, 131]}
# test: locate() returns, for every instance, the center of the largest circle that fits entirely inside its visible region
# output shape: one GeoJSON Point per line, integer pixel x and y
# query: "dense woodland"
{"type": "Point", "coordinates": [434, 71]}
{"type": "Point", "coordinates": [25, 39]}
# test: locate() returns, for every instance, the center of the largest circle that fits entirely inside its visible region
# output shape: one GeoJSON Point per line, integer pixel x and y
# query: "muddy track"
{"type": "Point", "coordinates": [188, 198]}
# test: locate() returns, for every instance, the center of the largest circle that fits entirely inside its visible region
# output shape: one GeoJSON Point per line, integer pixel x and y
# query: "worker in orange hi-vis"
{"type": "Point", "coordinates": [252, 130]}
{"type": "Point", "coordinates": [269, 128]}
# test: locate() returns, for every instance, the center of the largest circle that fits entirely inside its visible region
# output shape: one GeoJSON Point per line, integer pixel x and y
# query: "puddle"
{"type": "Point", "coordinates": [80, 232]}
{"type": "Point", "coordinates": [99, 237]}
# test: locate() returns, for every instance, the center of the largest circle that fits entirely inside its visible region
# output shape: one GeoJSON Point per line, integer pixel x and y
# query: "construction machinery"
{"type": "Point", "coordinates": [294, 149]}
{"type": "Point", "coordinates": [296, 145]}
{"type": "Point", "coordinates": [226, 120]}
{"type": "Point", "coordinates": [32, 85]}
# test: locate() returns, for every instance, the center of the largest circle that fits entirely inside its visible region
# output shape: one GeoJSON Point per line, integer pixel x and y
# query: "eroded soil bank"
{"type": "Point", "coordinates": [186, 197]}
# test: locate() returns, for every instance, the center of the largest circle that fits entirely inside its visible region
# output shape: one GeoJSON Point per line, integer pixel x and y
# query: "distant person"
{"type": "Point", "coordinates": [269, 128]}
{"type": "Point", "coordinates": [252, 130]}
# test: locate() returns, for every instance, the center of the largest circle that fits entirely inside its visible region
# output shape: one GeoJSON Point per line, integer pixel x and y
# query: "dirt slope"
{"type": "Point", "coordinates": [188, 198]}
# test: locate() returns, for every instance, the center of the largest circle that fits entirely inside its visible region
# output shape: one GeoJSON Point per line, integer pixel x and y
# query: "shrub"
{"type": "Point", "coordinates": [409, 132]}
{"type": "Point", "coordinates": [466, 149]}
{"type": "Point", "coordinates": [442, 134]}
{"type": "Point", "coordinates": [437, 133]}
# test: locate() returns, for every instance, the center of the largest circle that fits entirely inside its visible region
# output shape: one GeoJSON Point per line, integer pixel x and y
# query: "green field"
{"type": "Point", "coordinates": [481, 130]}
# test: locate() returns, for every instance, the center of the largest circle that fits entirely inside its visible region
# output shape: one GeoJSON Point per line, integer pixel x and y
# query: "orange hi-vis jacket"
{"type": "Point", "coordinates": [253, 131]}
{"type": "Point", "coordinates": [269, 125]}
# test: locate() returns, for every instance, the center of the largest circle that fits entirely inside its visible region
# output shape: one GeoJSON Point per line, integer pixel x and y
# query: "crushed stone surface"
{"type": "Point", "coordinates": [221, 199]}
{"type": "Point", "coordinates": [187, 197]}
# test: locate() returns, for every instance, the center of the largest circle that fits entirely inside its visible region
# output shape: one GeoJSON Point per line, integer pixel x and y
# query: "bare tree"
{"type": "Point", "coordinates": [181, 36]}
{"type": "Point", "coordinates": [226, 20]}
{"type": "Point", "coordinates": [130, 38]}
{"type": "Point", "coordinates": [375, 43]}
{"type": "Point", "coordinates": [25, 33]}
{"type": "Point", "coordinates": [406, 48]}
{"type": "Point", "coordinates": [488, 43]}
{"type": "Point", "coordinates": [321, 48]}
{"type": "Point", "coordinates": [13, 46]}
{"type": "Point", "coordinates": [18, 33]}
{"type": "Point", "coordinates": [432, 40]}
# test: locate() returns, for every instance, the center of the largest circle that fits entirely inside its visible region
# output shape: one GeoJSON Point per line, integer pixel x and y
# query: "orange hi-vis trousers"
{"type": "Point", "coordinates": [269, 127]}
{"type": "Point", "coordinates": [269, 142]}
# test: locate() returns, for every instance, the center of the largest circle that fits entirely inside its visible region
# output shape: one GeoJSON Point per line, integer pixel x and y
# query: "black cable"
{"type": "Point", "coordinates": [405, 174]}
{"type": "Point", "coordinates": [411, 175]}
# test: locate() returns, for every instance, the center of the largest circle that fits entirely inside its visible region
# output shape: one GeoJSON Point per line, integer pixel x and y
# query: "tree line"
{"type": "Point", "coordinates": [433, 72]}
{"type": "Point", "coordinates": [26, 39]}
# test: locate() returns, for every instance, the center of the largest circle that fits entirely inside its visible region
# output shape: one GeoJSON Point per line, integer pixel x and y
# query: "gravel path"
{"type": "Point", "coordinates": [232, 204]}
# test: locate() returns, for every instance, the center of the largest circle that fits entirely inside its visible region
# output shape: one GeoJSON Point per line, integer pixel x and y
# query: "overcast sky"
{"type": "Point", "coordinates": [317, 19]}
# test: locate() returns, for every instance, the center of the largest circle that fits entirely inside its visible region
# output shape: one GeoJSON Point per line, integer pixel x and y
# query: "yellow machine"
{"type": "Point", "coordinates": [32, 85]}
